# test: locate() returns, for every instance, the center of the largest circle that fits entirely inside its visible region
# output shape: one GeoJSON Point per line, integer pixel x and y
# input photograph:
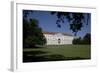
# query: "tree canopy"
{"type": "Point", "coordinates": [32, 33]}
{"type": "Point", "coordinates": [76, 20]}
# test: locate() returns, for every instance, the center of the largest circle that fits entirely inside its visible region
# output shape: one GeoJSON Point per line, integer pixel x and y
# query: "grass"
{"type": "Point", "coordinates": [57, 52]}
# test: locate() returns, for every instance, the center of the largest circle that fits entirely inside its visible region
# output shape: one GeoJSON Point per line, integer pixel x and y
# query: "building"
{"type": "Point", "coordinates": [56, 38]}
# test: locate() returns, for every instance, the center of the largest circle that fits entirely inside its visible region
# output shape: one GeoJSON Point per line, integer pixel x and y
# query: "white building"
{"type": "Point", "coordinates": [55, 38]}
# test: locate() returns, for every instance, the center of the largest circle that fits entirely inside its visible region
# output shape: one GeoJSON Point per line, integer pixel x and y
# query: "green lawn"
{"type": "Point", "coordinates": [57, 52]}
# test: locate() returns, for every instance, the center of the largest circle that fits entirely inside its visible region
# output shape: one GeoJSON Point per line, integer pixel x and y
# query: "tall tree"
{"type": "Point", "coordinates": [32, 33]}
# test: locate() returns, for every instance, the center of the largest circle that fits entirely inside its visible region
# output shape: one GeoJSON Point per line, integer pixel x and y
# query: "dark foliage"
{"type": "Point", "coordinates": [32, 33]}
{"type": "Point", "coordinates": [85, 40]}
{"type": "Point", "coordinates": [77, 41]}
{"type": "Point", "coordinates": [76, 20]}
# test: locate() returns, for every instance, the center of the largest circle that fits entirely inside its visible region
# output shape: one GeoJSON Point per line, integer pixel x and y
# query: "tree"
{"type": "Point", "coordinates": [77, 41]}
{"type": "Point", "coordinates": [85, 40]}
{"type": "Point", "coordinates": [32, 33]}
{"type": "Point", "coordinates": [76, 20]}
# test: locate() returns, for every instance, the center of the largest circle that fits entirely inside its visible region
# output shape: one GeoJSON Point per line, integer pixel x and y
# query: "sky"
{"type": "Point", "coordinates": [48, 23]}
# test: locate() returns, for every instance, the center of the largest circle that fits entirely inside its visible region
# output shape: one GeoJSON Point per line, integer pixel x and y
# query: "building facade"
{"type": "Point", "coordinates": [56, 38]}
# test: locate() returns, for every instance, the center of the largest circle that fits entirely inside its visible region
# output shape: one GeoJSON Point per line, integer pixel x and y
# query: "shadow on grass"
{"type": "Point", "coordinates": [36, 56]}
{"type": "Point", "coordinates": [31, 56]}
{"type": "Point", "coordinates": [36, 47]}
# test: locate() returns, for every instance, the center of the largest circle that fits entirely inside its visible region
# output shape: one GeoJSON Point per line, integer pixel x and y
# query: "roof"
{"type": "Point", "coordinates": [53, 33]}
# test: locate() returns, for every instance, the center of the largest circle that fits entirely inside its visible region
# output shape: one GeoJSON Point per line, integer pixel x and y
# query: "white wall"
{"type": "Point", "coordinates": [5, 37]}
{"type": "Point", "coordinates": [53, 39]}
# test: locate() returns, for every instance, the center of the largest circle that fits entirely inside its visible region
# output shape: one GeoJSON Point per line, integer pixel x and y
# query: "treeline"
{"type": "Point", "coordinates": [85, 40]}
